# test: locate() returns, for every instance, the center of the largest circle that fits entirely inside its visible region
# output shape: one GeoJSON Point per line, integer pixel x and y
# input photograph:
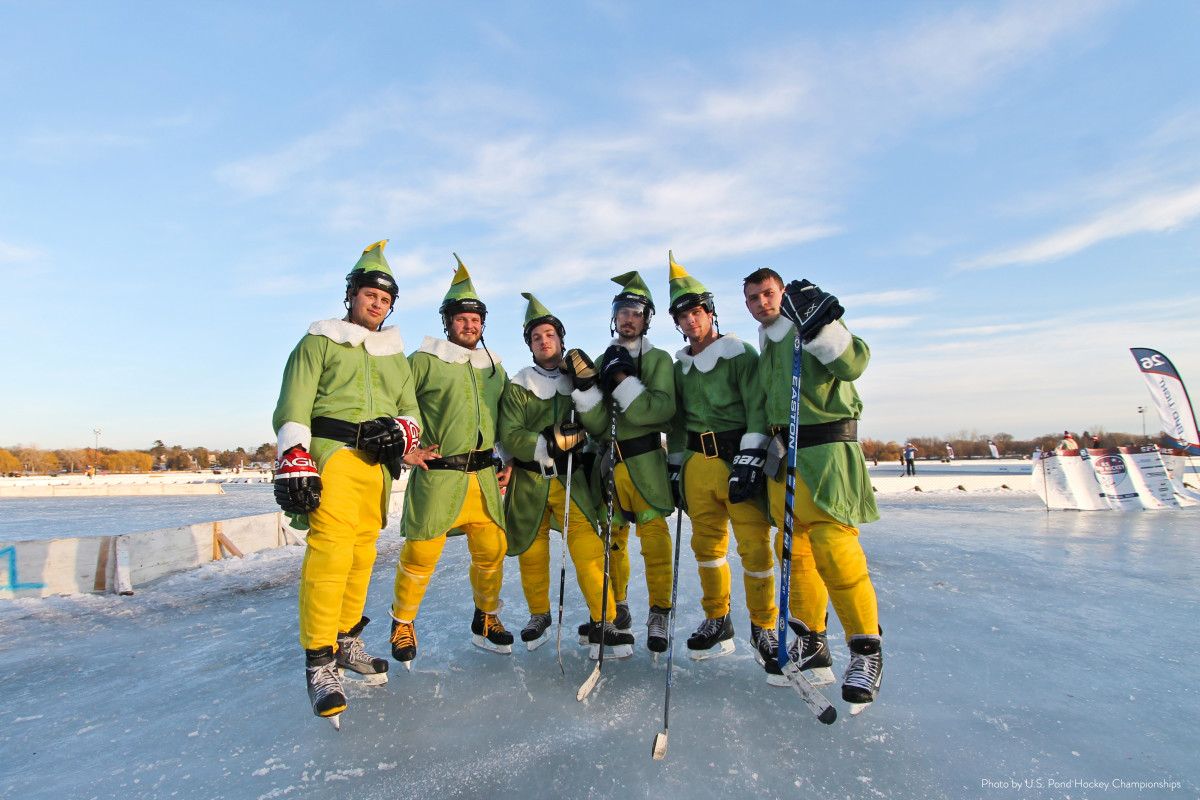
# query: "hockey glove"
{"type": "Point", "coordinates": [746, 478]}
{"type": "Point", "coordinates": [615, 361]}
{"type": "Point", "coordinates": [580, 368]}
{"type": "Point", "coordinates": [563, 438]}
{"type": "Point", "coordinates": [673, 471]}
{"type": "Point", "coordinates": [297, 483]}
{"type": "Point", "coordinates": [809, 308]}
{"type": "Point", "coordinates": [387, 439]}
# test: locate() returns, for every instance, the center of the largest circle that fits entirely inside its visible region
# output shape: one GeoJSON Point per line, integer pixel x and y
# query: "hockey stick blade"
{"type": "Point", "coordinates": [589, 684]}
{"type": "Point", "coordinates": [812, 698]}
{"type": "Point", "coordinates": [659, 748]}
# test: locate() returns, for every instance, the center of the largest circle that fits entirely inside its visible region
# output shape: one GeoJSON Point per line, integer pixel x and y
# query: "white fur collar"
{"type": "Point", "coordinates": [777, 331]}
{"type": "Point", "coordinates": [638, 348]}
{"type": "Point", "coordinates": [728, 346]}
{"type": "Point", "coordinates": [452, 353]}
{"type": "Point", "coordinates": [540, 385]}
{"type": "Point", "coordinates": [385, 342]}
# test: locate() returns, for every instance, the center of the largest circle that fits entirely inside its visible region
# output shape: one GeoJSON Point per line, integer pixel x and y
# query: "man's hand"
{"type": "Point", "coordinates": [580, 368]}
{"type": "Point", "coordinates": [297, 482]}
{"type": "Point", "coordinates": [809, 308]}
{"type": "Point", "coordinates": [746, 477]}
{"type": "Point", "coordinates": [615, 366]}
{"type": "Point", "coordinates": [420, 455]}
{"type": "Point", "coordinates": [503, 474]}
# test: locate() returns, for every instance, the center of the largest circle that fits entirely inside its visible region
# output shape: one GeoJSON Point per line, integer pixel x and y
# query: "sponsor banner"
{"type": "Point", "coordinates": [1113, 478]}
{"type": "Point", "coordinates": [1170, 398]}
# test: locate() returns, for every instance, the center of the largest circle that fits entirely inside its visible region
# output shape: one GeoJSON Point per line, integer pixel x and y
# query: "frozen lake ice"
{"type": "Point", "coordinates": [1053, 650]}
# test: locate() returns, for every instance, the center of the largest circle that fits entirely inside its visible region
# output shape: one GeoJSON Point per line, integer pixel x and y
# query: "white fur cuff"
{"type": "Point", "coordinates": [586, 401]}
{"type": "Point", "coordinates": [753, 441]}
{"type": "Point", "coordinates": [541, 452]}
{"type": "Point", "coordinates": [292, 434]}
{"type": "Point", "coordinates": [830, 343]}
{"type": "Point", "coordinates": [628, 391]}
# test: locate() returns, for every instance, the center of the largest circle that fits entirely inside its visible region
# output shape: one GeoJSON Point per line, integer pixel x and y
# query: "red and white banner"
{"type": "Point", "coordinates": [1108, 479]}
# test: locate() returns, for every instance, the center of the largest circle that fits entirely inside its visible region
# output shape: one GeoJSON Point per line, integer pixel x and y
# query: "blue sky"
{"type": "Point", "coordinates": [1005, 195]}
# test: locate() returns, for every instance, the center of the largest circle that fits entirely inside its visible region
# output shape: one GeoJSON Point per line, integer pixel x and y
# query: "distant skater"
{"type": "Point", "coordinates": [910, 459]}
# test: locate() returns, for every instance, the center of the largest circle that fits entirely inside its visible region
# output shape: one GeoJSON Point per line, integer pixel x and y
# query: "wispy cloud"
{"type": "Point", "coordinates": [1150, 214]}
{"type": "Point", "coordinates": [895, 297]}
{"type": "Point", "coordinates": [14, 253]}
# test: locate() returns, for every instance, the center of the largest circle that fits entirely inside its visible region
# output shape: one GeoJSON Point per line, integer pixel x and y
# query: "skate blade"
{"type": "Point", "coordinates": [858, 708]}
{"type": "Point", "coordinates": [583, 641]}
{"type": "Point", "coordinates": [534, 644]}
{"type": "Point", "coordinates": [821, 676]}
{"type": "Point", "coordinates": [776, 680]}
{"type": "Point", "coordinates": [659, 748]}
{"type": "Point", "coordinates": [335, 720]}
{"type": "Point", "coordinates": [618, 652]}
{"type": "Point", "coordinates": [373, 679]}
{"type": "Point", "coordinates": [716, 651]}
{"type": "Point", "coordinates": [483, 644]}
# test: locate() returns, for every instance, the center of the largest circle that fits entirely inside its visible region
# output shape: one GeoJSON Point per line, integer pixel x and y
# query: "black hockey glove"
{"type": "Point", "coordinates": [811, 309]}
{"type": "Point", "coordinates": [563, 438]}
{"type": "Point", "coordinates": [580, 368]}
{"type": "Point", "coordinates": [389, 439]}
{"type": "Point", "coordinates": [746, 478]}
{"type": "Point", "coordinates": [297, 482]}
{"type": "Point", "coordinates": [615, 361]}
{"type": "Point", "coordinates": [673, 471]}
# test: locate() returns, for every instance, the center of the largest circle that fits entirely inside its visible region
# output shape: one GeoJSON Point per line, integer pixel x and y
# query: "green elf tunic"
{"type": "Point", "coordinates": [533, 400]}
{"type": "Point", "coordinates": [835, 473]}
{"type": "Point", "coordinates": [719, 391]}
{"type": "Point", "coordinates": [342, 370]}
{"type": "Point", "coordinates": [645, 405]}
{"type": "Point", "coordinates": [459, 397]}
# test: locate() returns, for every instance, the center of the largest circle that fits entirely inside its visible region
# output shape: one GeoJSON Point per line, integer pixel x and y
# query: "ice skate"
{"type": "Point", "coordinates": [863, 677]}
{"type": "Point", "coordinates": [352, 657]}
{"type": "Point", "coordinates": [585, 629]}
{"type": "Point", "coordinates": [765, 645]}
{"type": "Point", "coordinates": [656, 629]}
{"type": "Point", "coordinates": [325, 690]}
{"type": "Point", "coordinates": [810, 651]}
{"type": "Point", "coordinates": [536, 631]}
{"type": "Point", "coordinates": [714, 638]}
{"type": "Point", "coordinates": [404, 642]}
{"type": "Point", "coordinates": [489, 633]}
{"type": "Point", "coordinates": [624, 620]}
{"type": "Point", "coordinates": [619, 643]}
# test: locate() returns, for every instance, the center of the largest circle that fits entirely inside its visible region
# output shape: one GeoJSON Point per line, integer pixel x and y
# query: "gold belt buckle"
{"type": "Point", "coordinates": [704, 444]}
{"type": "Point", "coordinates": [551, 472]}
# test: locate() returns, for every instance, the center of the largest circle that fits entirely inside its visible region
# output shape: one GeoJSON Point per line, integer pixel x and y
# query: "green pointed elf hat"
{"type": "Point", "coordinates": [372, 270]}
{"type": "Point", "coordinates": [461, 296]}
{"type": "Point", "coordinates": [686, 291]}
{"type": "Point", "coordinates": [537, 314]}
{"type": "Point", "coordinates": [633, 287]}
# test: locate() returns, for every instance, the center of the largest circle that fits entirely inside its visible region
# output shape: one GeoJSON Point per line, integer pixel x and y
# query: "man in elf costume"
{"type": "Point", "coordinates": [346, 419]}
{"type": "Point", "coordinates": [833, 493]}
{"type": "Point", "coordinates": [718, 439]}
{"type": "Point", "coordinates": [538, 429]}
{"type": "Point", "coordinates": [458, 384]}
{"type": "Point", "coordinates": [638, 377]}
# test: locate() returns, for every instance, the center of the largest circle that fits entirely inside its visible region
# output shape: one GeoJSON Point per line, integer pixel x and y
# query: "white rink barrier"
{"type": "Point", "coordinates": [110, 489]}
{"type": "Point", "coordinates": [1112, 479]}
{"type": "Point", "coordinates": [118, 564]}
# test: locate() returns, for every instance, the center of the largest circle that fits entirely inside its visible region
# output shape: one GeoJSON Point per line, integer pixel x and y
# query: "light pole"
{"type": "Point", "coordinates": [96, 456]}
{"type": "Point", "coordinates": [1142, 410]}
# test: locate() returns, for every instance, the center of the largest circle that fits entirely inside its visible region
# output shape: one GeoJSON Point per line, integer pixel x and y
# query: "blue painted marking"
{"type": "Point", "coordinates": [13, 580]}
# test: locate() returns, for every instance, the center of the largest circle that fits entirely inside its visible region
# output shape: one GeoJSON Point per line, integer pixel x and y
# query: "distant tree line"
{"type": "Point", "coordinates": [32, 460]}
{"type": "Point", "coordinates": [972, 444]}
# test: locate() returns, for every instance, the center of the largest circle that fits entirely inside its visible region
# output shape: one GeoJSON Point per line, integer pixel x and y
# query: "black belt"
{"type": "Point", "coordinates": [723, 445]}
{"type": "Point", "coordinates": [472, 461]}
{"type": "Point", "coordinates": [336, 429]}
{"type": "Point", "coordinates": [560, 467]}
{"type": "Point", "coordinates": [638, 445]}
{"type": "Point", "coordinates": [840, 430]}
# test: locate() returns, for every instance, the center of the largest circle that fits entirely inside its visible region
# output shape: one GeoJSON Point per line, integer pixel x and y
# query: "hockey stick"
{"type": "Point", "coordinates": [562, 573]}
{"type": "Point", "coordinates": [812, 698]}
{"type": "Point", "coordinates": [594, 678]}
{"type": "Point", "coordinates": [659, 748]}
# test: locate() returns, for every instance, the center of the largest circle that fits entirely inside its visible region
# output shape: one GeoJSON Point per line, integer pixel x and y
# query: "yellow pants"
{"type": "Point", "coordinates": [828, 563]}
{"type": "Point", "coordinates": [655, 538]}
{"type": "Point", "coordinates": [340, 553]}
{"type": "Point", "coordinates": [706, 490]}
{"type": "Point", "coordinates": [587, 554]}
{"type": "Point", "coordinates": [486, 543]}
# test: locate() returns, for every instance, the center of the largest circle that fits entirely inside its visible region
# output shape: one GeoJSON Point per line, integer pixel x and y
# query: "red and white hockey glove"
{"type": "Point", "coordinates": [297, 482]}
